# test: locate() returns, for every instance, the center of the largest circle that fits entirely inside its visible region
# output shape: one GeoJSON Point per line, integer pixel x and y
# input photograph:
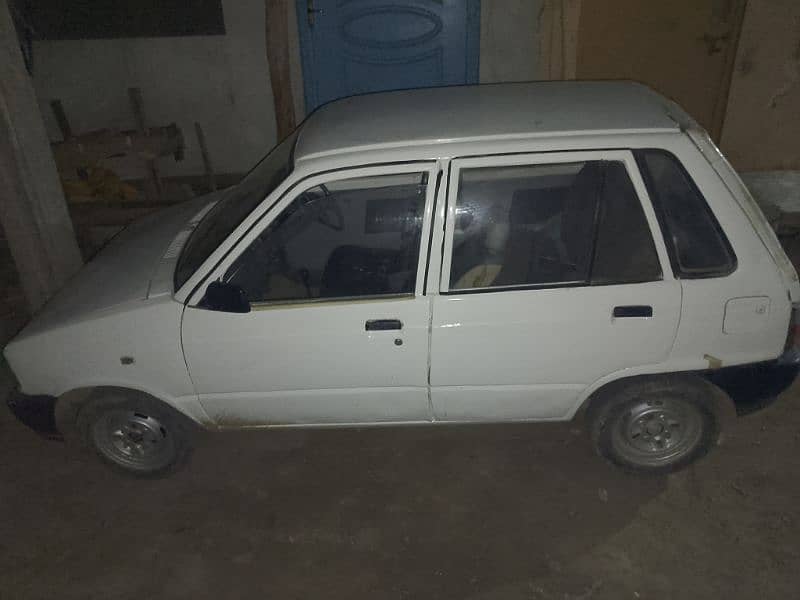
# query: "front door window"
{"type": "Point", "coordinates": [345, 239]}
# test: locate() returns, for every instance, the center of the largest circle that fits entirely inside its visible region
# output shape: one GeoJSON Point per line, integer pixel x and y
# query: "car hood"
{"type": "Point", "coordinates": [124, 270]}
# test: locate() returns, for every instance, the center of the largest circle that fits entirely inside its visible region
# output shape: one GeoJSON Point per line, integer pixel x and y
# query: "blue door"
{"type": "Point", "coordinates": [357, 46]}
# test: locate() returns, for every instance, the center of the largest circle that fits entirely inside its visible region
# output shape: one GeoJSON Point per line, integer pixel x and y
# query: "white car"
{"type": "Point", "coordinates": [504, 253]}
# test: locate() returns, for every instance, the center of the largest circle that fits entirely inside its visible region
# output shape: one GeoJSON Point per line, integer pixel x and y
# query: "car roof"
{"type": "Point", "coordinates": [484, 112]}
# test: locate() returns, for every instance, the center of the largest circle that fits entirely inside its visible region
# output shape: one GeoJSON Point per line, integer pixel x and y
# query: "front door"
{"type": "Point", "coordinates": [364, 46]}
{"type": "Point", "coordinates": [551, 279]}
{"type": "Point", "coordinates": [338, 327]}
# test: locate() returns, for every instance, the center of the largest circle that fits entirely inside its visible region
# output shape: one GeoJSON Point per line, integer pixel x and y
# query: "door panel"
{"type": "Point", "coordinates": [338, 330]}
{"type": "Point", "coordinates": [310, 363]}
{"type": "Point", "coordinates": [553, 275]}
{"type": "Point", "coordinates": [528, 354]}
{"type": "Point", "coordinates": [356, 46]}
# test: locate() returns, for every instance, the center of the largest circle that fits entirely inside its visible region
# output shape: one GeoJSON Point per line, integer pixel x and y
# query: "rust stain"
{"type": "Point", "coordinates": [713, 361]}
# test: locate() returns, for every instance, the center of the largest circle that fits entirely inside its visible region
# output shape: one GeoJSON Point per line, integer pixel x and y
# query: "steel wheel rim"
{"type": "Point", "coordinates": [133, 439]}
{"type": "Point", "coordinates": [658, 431]}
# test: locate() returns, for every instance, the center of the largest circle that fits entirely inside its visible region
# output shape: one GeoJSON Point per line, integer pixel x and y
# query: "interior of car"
{"type": "Point", "coordinates": [335, 243]}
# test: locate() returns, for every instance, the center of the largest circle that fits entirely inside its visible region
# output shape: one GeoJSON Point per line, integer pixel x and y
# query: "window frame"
{"type": "Point", "coordinates": [672, 251]}
{"type": "Point", "coordinates": [298, 184]}
{"type": "Point", "coordinates": [208, 212]}
{"type": "Point", "coordinates": [545, 158]}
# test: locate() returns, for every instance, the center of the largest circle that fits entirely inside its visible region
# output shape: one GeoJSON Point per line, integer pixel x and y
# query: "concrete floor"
{"type": "Point", "coordinates": [453, 512]}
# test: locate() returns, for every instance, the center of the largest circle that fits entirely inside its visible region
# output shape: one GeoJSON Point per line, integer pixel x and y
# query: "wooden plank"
{"type": "Point", "coordinates": [93, 148]}
{"type": "Point", "coordinates": [571, 15]}
{"type": "Point", "coordinates": [279, 67]}
{"type": "Point", "coordinates": [153, 189]}
{"type": "Point", "coordinates": [61, 119]}
{"type": "Point", "coordinates": [33, 211]}
{"type": "Point", "coordinates": [558, 38]}
{"type": "Point", "coordinates": [550, 55]}
{"type": "Point", "coordinates": [731, 13]}
{"type": "Point", "coordinates": [680, 48]}
{"type": "Point", "coordinates": [762, 124]}
{"type": "Point", "coordinates": [209, 169]}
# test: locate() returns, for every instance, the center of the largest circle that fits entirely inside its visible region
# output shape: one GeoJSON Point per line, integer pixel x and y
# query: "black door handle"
{"type": "Point", "coordinates": [383, 324]}
{"type": "Point", "coordinates": [633, 311]}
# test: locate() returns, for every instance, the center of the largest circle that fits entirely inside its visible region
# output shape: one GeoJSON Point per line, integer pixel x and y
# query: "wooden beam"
{"type": "Point", "coordinates": [207, 166]}
{"type": "Point", "coordinates": [153, 188]}
{"type": "Point", "coordinates": [730, 15]}
{"type": "Point", "coordinates": [61, 119]}
{"type": "Point", "coordinates": [93, 148]}
{"type": "Point", "coordinates": [33, 211]}
{"type": "Point", "coordinates": [558, 31]}
{"type": "Point", "coordinates": [278, 59]}
{"type": "Point", "coordinates": [571, 18]}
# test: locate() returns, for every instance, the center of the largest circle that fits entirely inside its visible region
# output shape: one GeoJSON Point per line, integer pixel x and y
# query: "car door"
{"type": "Point", "coordinates": [551, 278]}
{"type": "Point", "coordinates": [337, 330]}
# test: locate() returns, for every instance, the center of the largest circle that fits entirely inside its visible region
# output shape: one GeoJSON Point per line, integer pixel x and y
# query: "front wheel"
{"type": "Point", "coordinates": [135, 434]}
{"type": "Point", "coordinates": [655, 426]}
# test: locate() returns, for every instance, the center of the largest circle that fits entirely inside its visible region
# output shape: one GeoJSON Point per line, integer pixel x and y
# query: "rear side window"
{"type": "Point", "coordinates": [624, 252]}
{"type": "Point", "coordinates": [696, 243]}
{"type": "Point", "coordinates": [549, 225]}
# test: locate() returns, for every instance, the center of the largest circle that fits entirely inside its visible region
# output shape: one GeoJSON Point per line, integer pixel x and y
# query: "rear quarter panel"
{"type": "Point", "coordinates": [701, 341]}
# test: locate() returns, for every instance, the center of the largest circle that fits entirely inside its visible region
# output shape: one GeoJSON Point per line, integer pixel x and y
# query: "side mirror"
{"type": "Point", "coordinates": [225, 297]}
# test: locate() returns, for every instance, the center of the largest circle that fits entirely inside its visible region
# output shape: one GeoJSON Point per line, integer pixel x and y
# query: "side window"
{"type": "Point", "coordinates": [349, 238]}
{"type": "Point", "coordinates": [696, 244]}
{"type": "Point", "coordinates": [575, 223]}
{"type": "Point", "coordinates": [624, 251]}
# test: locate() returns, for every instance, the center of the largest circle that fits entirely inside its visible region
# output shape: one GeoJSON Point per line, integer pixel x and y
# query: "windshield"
{"type": "Point", "coordinates": [233, 208]}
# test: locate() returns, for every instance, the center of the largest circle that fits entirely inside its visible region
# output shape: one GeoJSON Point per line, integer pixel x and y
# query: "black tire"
{"type": "Point", "coordinates": [655, 425]}
{"type": "Point", "coordinates": [134, 433]}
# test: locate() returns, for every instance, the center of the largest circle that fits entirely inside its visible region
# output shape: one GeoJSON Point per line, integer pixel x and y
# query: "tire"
{"type": "Point", "coordinates": [655, 425]}
{"type": "Point", "coordinates": [135, 434]}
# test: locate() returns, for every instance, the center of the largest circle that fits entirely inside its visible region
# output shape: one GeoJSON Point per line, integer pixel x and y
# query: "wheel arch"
{"type": "Point", "coordinates": [723, 404]}
{"type": "Point", "coordinates": [69, 404]}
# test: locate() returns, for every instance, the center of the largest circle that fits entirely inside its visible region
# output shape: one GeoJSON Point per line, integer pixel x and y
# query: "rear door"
{"type": "Point", "coordinates": [551, 278]}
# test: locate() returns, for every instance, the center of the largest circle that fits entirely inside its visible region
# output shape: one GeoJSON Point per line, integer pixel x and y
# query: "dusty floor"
{"type": "Point", "coordinates": [468, 512]}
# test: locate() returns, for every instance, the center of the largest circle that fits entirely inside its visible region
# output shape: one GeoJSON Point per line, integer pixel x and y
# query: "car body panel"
{"type": "Point", "coordinates": [530, 353]}
{"type": "Point", "coordinates": [701, 339]}
{"type": "Point", "coordinates": [314, 364]}
{"type": "Point", "coordinates": [121, 272]}
{"type": "Point", "coordinates": [534, 351]}
{"type": "Point", "coordinates": [137, 346]}
{"type": "Point", "coordinates": [478, 114]}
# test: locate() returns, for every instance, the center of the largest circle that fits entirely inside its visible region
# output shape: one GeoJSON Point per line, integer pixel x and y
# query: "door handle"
{"type": "Point", "coordinates": [383, 324]}
{"type": "Point", "coordinates": [635, 310]}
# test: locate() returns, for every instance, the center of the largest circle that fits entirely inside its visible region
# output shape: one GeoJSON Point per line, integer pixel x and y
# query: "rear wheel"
{"type": "Point", "coordinates": [135, 433]}
{"type": "Point", "coordinates": [656, 425]}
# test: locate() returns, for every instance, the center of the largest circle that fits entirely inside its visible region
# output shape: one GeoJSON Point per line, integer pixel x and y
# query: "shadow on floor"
{"type": "Point", "coordinates": [447, 512]}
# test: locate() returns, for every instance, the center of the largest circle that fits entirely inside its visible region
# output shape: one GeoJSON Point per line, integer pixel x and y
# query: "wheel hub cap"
{"type": "Point", "coordinates": [657, 431]}
{"type": "Point", "coordinates": [132, 439]}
